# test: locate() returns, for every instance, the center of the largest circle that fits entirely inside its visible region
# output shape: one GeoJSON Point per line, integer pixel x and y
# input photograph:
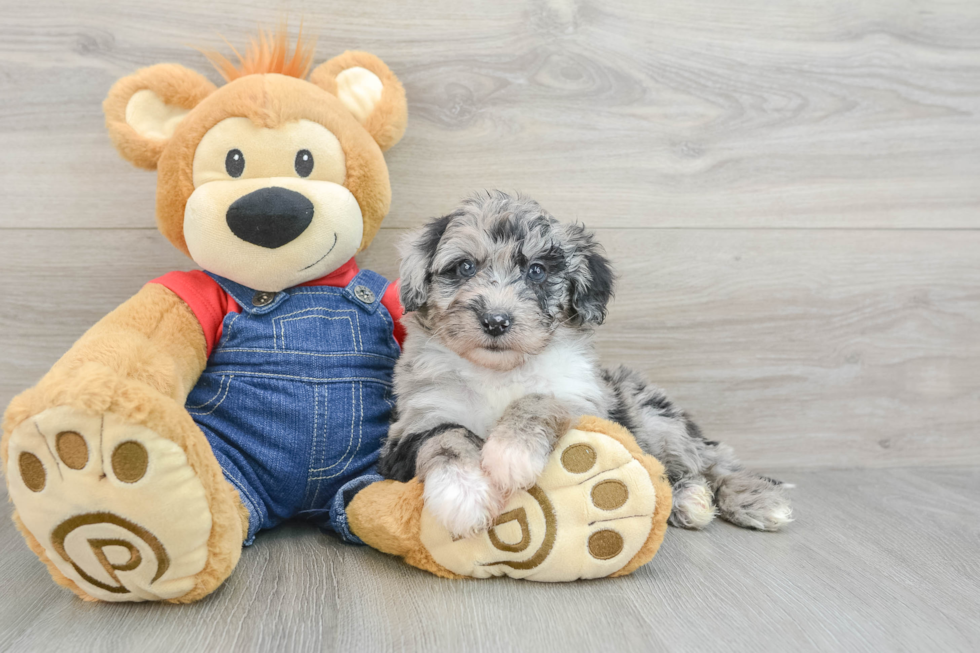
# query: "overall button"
{"type": "Point", "coordinates": [262, 298]}
{"type": "Point", "coordinates": [364, 293]}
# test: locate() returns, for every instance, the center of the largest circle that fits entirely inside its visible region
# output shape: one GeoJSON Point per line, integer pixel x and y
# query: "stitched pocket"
{"type": "Point", "coordinates": [209, 393]}
{"type": "Point", "coordinates": [318, 330]}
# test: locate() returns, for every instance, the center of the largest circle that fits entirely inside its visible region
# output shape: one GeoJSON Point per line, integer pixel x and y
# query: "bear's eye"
{"type": "Point", "coordinates": [235, 163]}
{"type": "Point", "coordinates": [536, 273]}
{"type": "Point", "coordinates": [304, 163]}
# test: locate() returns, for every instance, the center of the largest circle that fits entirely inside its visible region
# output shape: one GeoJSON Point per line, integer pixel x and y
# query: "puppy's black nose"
{"type": "Point", "coordinates": [270, 217]}
{"type": "Point", "coordinates": [495, 324]}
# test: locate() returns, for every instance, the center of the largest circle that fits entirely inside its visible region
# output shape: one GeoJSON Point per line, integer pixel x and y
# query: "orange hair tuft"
{"type": "Point", "coordinates": [269, 53]}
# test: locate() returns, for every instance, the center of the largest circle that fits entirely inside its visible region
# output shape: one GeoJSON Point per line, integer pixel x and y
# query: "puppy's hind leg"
{"type": "Point", "coordinates": [745, 499]}
{"type": "Point", "coordinates": [665, 432]}
{"type": "Point", "coordinates": [693, 507]}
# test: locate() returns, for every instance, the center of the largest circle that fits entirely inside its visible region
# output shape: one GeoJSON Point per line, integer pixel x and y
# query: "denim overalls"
{"type": "Point", "coordinates": [296, 397]}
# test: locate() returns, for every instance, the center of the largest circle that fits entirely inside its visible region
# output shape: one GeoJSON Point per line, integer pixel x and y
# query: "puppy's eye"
{"type": "Point", "coordinates": [304, 163]}
{"type": "Point", "coordinates": [235, 163]}
{"type": "Point", "coordinates": [466, 268]}
{"type": "Point", "coordinates": [536, 273]}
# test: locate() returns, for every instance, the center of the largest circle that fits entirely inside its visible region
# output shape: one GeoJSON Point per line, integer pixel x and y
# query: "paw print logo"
{"type": "Point", "coordinates": [115, 506]}
{"type": "Point", "coordinates": [589, 514]}
{"type": "Point", "coordinates": [101, 548]}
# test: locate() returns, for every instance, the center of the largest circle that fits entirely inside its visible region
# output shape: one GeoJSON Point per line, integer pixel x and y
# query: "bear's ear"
{"type": "Point", "coordinates": [369, 90]}
{"type": "Point", "coordinates": [143, 109]}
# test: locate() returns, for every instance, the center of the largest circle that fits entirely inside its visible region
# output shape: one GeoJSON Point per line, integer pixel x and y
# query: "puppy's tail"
{"type": "Point", "coordinates": [746, 499]}
{"type": "Point", "coordinates": [663, 430]}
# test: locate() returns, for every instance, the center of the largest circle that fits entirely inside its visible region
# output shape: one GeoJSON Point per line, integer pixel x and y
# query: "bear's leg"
{"type": "Point", "coordinates": [599, 509]}
{"type": "Point", "coordinates": [128, 504]}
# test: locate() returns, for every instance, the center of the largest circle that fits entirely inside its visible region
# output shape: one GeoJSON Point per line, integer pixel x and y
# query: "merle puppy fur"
{"type": "Point", "coordinates": [499, 358]}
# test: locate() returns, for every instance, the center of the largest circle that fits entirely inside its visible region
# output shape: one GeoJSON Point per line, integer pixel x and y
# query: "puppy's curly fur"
{"type": "Point", "coordinates": [502, 302]}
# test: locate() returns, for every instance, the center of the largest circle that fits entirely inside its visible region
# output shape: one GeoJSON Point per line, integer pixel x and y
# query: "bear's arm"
{"type": "Point", "coordinates": [206, 299]}
{"type": "Point", "coordinates": [153, 338]}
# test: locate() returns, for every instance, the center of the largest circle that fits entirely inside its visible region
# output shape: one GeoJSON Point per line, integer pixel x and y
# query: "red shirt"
{"type": "Point", "coordinates": [210, 303]}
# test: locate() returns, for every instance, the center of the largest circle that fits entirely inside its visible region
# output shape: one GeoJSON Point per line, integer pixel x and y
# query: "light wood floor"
{"type": "Point", "coordinates": [880, 560]}
{"type": "Point", "coordinates": [790, 192]}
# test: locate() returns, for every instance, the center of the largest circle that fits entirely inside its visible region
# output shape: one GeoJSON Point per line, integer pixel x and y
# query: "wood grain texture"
{"type": "Point", "coordinates": [824, 348]}
{"type": "Point", "coordinates": [790, 194]}
{"type": "Point", "coordinates": [802, 348]}
{"type": "Point", "coordinates": [877, 561]}
{"type": "Point", "coordinates": [622, 113]}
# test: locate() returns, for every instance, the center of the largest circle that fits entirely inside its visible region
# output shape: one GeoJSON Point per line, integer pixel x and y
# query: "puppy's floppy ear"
{"type": "Point", "coordinates": [591, 278]}
{"type": "Point", "coordinates": [369, 90]}
{"type": "Point", "coordinates": [418, 251]}
{"type": "Point", "coordinates": [143, 110]}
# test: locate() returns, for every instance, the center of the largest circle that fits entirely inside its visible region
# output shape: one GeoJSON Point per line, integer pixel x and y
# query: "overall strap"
{"type": "Point", "coordinates": [366, 290]}
{"type": "Point", "coordinates": [252, 302]}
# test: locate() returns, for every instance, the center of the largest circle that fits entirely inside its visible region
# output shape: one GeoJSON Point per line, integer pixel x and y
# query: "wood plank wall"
{"type": "Point", "coordinates": [790, 191]}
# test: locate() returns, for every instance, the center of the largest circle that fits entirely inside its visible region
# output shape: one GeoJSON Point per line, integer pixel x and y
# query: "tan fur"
{"type": "Point", "coordinates": [268, 100]}
{"type": "Point", "coordinates": [387, 515]}
{"type": "Point", "coordinates": [657, 474]}
{"type": "Point", "coordinates": [174, 84]}
{"type": "Point", "coordinates": [152, 339]}
{"type": "Point", "coordinates": [387, 123]}
{"type": "Point", "coordinates": [139, 362]}
{"type": "Point", "coordinates": [38, 550]}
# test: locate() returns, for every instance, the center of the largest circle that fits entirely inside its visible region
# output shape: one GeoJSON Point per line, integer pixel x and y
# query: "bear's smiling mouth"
{"type": "Point", "coordinates": [325, 255]}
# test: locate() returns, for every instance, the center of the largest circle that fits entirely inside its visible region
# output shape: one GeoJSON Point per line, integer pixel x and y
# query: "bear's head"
{"type": "Point", "coordinates": [272, 179]}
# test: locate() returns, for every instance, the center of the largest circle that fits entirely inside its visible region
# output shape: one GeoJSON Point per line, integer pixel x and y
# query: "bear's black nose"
{"type": "Point", "coordinates": [270, 217]}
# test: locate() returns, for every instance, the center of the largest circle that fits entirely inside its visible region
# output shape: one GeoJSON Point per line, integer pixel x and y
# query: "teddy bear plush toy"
{"type": "Point", "coordinates": [217, 403]}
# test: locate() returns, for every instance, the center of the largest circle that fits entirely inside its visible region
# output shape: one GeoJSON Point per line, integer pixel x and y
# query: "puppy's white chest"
{"type": "Point", "coordinates": [499, 397]}
{"type": "Point", "coordinates": [496, 395]}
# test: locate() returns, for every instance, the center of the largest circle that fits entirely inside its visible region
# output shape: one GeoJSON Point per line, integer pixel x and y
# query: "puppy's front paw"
{"type": "Point", "coordinates": [462, 499]}
{"type": "Point", "coordinates": [598, 509]}
{"type": "Point", "coordinates": [511, 465]}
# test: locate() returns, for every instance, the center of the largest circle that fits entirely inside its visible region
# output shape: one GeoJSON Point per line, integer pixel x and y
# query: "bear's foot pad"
{"type": "Point", "coordinates": [115, 507]}
{"type": "Point", "coordinates": [590, 513]}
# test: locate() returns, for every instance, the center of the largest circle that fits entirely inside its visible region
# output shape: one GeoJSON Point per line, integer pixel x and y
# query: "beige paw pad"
{"type": "Point", "coordinates": [116, 507]}
{"type": "Point", "coordinates": [588, 515]}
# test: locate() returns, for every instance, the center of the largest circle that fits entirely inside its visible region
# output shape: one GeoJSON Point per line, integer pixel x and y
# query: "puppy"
{"type": "Point", "coordinates": [499, 358]}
